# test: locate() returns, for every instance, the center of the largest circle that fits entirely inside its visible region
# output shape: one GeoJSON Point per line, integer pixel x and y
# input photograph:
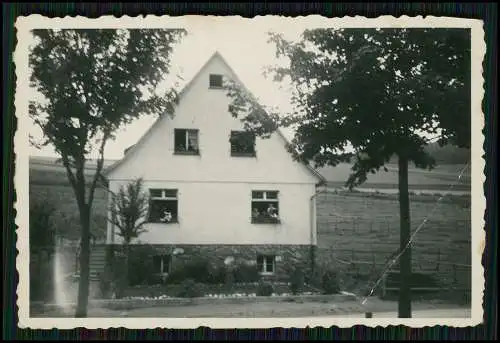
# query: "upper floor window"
{"type": "Point", "coordinates": [186, 141]}
{"type": "Point", "coordinates": [242, 143]}
{"type": "Point", "coordinates": [215, 81]}
{"type": "Point", "coordinates": [163, 207]}
{"type": "Point", "coordinates": [265, 207]}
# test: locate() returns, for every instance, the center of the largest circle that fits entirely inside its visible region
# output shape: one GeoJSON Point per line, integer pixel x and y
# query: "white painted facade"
{"type": "Point", "coordinates": [214, 188]}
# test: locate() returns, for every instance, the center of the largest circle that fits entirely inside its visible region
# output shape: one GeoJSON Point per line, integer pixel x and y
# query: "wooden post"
{"type": "Point", "coordinates": [404, 302]}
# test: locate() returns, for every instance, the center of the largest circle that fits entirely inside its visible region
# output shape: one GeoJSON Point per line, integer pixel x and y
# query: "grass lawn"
{"type": "Point", "coordinates": [263, 309]}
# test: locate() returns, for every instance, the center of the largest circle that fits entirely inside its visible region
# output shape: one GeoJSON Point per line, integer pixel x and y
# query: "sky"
{"type": "Point", "coordinates": [244, 46]}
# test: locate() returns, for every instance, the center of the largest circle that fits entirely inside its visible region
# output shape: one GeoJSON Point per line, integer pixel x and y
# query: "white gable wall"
{"type": "Point", "coordinates": [214, 187]}
{"type": "Point", "coordinates": [206, 109]}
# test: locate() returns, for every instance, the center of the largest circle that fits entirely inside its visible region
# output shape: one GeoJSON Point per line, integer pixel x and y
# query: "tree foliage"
{"type": "Point", "coordinates": [375, 92]}
{"type": "Point", "coordinates": [129, 210]}
{"type": "Point", "coordinates": [96, 81]}
{"type": "Point", "coordinates": [93, 82]}
{"type": "Point", "coordinates": [365, 95]}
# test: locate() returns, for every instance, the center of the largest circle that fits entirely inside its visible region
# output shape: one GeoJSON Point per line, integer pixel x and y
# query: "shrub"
{"type": "Point", "coordinates": [105, 283]}
{"type": "Point", "coordinates": [189, 288]}
{"type": "Point", "coordinates": [218, 274]}
{"type": "Point", "coordinates": [330, 282]}
{"type": "Point", "coordinates": [198, 270]}
{"type": "Point", "coordinates": [202, 271]}
{"type": "Point", "coordinates": [229, 280]}
{"type": "Point", "coordinates": [119, 283]}
{"type": "Point", "coordinates": [315, 278]}
{"type": "Point", "coordinates": [265, 289]}
{"type": "Point", "coordinates": [296, 281]}
{"type": "Point", "coordinates": [245, 273]}
{"type": "Point", "coordinates": [141, 266]}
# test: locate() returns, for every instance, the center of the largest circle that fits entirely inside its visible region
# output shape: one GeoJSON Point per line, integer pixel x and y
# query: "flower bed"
{"type": "Point", "coordinates": [219, 295]}
{"type": "Point", "coordinates": [212, 291]}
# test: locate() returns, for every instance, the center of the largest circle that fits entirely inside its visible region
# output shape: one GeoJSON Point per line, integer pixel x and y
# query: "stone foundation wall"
{"type": "Point", "coordinates": [287, 256]}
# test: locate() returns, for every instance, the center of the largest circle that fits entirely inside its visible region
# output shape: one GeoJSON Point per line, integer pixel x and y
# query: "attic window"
{"type": "Point", "coordinates": [186, 142]}
{"type": "Point", "coordinates": [242, 143]}
{"type": "Point", "coordinates": [215, 81]}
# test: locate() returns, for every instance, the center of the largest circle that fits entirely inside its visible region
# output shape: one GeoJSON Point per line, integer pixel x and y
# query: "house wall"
{"type": "Point", "coordinates": [214, 187]}
{"type": "Point", "coordinates": [287, 257]}
{"type": "Point", "coordinates": [220, 213]}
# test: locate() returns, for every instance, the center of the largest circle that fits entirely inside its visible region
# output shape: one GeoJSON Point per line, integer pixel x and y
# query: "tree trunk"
{"type": "Point", "coordinates": [404, 308]}
{"type": "Point", "coordinates": [84, 283]}
{"type": "Point", "coordinates": [127, 265]}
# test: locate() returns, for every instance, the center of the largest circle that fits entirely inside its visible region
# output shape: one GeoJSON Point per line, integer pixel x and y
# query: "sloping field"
{"type": "Point", "coordinates": [45, 170]}
{"type": "Point", "coordinates": [440, 178]}
{"type": "Point", "coordinates": [360, 232]}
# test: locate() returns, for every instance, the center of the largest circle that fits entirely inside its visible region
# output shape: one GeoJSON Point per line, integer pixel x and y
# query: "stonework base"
{"type": "Point", "coordinates": [286, 256]}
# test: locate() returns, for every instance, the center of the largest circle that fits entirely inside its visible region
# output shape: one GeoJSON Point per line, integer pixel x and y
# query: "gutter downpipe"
{"type": "Point", "coordinates": [313, 222]}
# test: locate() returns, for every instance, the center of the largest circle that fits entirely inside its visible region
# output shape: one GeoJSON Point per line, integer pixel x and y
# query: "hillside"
{"type": "Point", "coordinates": [451, 161]}
{"type": "Point", "coordinates": [438, 179]}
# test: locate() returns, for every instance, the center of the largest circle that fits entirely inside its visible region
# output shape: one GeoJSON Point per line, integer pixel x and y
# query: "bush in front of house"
{"type": "Point", "coordinates": [119, 282]}
{"type": "Point", "coordinates": [330, 282]}
{"type": "Point", "coordinates": [189, 288]}
{"type": "Point", "coordinates": [265, 289]}
{"type": "Point", "coordinates": [296, 281]}
{"type": "Point", "coordinates": [200, 270]}
{"type": "Point", "coordinates": [197, 270]}
{"type": "Point", "coordinates": [218, 274]}
{"type": "Point", "coordinates": [141, 266]}
{"type": "Point", "coordinates": [246, 273]}
{"type": "Point", "coordinates": [105, 283]}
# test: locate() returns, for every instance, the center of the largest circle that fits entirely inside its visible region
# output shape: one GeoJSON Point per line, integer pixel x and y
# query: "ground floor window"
{"type": "Point", "coordinates": [163, 206]}
{"type": "Point", "coordinates": [265, 207]}
{"type": "Point", "coordinates": [162, 263]}
{"type": "Point", "coordinates": [266, 264]}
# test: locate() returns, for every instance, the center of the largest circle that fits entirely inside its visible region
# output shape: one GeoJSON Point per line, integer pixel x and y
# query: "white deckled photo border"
{"type": "Point", "coordinates": [21, 178]}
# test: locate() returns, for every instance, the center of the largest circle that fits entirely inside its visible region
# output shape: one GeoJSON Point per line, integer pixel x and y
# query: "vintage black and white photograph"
{"type": "Point", "coordinates": [226, 172]}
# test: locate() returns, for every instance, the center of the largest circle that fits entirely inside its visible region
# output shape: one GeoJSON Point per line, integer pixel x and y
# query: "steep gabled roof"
{"type": "Point", "coordinates": [130, 151]}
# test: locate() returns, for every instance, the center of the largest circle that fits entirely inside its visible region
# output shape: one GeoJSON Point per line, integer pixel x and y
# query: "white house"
{"type": "Point", "coordinates": [217, 196]}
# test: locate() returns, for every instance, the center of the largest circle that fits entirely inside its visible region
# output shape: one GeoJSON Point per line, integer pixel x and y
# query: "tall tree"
{"type": "Point", "coordinates": [364, 95]}
{"type": "Point", "coordinates": [93, 82]}
{"type": "Point", "coordinates": [129, 214]}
